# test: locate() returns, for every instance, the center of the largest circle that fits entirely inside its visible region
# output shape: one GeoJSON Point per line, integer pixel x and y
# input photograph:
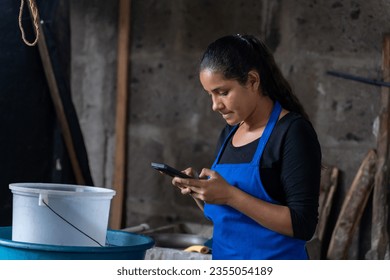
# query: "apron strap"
{"type": "Point", "coordinates": [224, 144]}
{"type": "Point", "coordinates": [263, 139]}
{"type": "Point", "coordinates": [267, 132]}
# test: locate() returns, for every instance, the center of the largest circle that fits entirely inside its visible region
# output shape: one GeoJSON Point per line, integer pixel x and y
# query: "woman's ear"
{"type": "Point", "coordinates": [254, 80]}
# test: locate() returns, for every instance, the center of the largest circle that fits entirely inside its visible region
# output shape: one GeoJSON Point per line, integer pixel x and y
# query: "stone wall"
{"type": "Point", "coordinates": [170, 118]}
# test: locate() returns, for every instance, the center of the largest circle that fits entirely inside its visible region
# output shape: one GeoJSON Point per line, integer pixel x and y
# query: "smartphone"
{"type": "Point", "coordinates": [166, 169]}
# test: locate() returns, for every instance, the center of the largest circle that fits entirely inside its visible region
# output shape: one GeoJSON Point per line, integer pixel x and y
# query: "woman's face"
{"type": "Point", "coordinates": [235, 102]}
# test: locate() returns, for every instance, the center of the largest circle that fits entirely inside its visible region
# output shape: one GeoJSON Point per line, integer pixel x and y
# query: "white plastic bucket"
{"type": "Point", "coordinates": [58, 214]}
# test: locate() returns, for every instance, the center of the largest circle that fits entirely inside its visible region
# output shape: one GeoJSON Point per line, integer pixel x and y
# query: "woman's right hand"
{"type": "Point", "coordinates": [190, 172]}
{"type": "Point", "coordinates": [213, 188]}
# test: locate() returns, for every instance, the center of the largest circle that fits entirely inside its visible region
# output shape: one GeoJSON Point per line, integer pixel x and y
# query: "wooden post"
{"type": "Point", "coordinates": [328, 189]}
{"type": "Point", "coordinates": [352, 208]}
{"type": "Point", "coordinates": [379, 234]}
{"type": "Point", "coordinates": [119, 177]}
{"type": "Point", "coordinates": [328, 186]}
{"type": "Point", "coordinates": [57, 101]}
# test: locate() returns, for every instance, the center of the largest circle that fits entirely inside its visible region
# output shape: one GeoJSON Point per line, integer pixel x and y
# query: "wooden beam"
{"type": "Point", "coordinates": [57, 101]}
{"type": "Point", "coordinates": [352, 208]}
{"type": "Point", "coordinates": [328, 186]}
{"type": "Point", "coordinates": [119, 178]}
{"type": "Point", "coordinates": [328, 189]}
{"type": "Point", "coordinates": [379, 234]}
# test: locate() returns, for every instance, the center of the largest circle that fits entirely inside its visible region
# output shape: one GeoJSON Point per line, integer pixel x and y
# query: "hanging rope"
{"type": "Point", "coordinates": [34, 13]}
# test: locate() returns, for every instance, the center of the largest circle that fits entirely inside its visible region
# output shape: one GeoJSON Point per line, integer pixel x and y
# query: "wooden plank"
{"type": "Point", "coordinates": [352, 208]}
{"type": "Point", "coordinates": [328, 186]}
{"type": "Point", "coordinates": [56, 98]}
{"type": "Point", "coordinates": [328, 192]}
{"type": "Point", "coordinates": [121, 115]}
{"type": "Point", "coordinates": [379, 234]}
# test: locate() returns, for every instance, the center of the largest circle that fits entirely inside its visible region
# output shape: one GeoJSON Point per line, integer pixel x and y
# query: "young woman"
{"type": "Point", "coordinates": [262, 191]}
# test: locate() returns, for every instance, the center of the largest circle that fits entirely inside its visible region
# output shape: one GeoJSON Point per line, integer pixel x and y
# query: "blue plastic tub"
{"type": "Point", "coordinates": [123, 246]}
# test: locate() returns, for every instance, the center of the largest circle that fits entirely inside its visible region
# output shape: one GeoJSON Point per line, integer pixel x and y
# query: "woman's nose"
{"type": "Point", "coordinates": [217, 104]}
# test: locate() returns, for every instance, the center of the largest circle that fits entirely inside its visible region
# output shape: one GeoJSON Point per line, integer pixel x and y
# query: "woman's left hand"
{"type": "Point", "coordinates": [211, 187]}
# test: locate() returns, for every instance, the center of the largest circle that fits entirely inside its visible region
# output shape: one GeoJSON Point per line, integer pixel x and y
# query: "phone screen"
{"type": "Point", "coordinates": [168, 170]}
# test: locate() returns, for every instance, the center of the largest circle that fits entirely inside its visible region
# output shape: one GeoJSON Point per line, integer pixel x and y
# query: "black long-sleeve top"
{"type": "Point", "coordinates": [290, 168]}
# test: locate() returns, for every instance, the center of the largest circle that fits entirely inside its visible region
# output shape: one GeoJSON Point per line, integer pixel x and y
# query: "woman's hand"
{"type": "Point", "coordinates": [211, 187]}
{"type": "Point", "coordinates": [184, 189]}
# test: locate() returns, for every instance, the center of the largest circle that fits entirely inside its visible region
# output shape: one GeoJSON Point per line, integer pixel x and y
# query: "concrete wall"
{"type": "Point", "coordinates": [170, 119]}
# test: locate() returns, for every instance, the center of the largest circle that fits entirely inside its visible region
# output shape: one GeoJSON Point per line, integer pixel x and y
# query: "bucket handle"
{"type": "Point", "coordinates": [43, 199]}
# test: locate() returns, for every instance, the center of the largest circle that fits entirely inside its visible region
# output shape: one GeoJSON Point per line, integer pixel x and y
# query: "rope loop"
{"type": "Point", "coordinates": [34, 13]}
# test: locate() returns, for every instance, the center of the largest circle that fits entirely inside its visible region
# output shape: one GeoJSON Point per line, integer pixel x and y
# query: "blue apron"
{"type": "Point", "coordinates": [236, 236]}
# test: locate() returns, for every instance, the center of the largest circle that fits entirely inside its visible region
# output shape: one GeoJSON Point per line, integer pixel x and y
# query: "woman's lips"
{"type": "Point", "coordinates": [226, 115]}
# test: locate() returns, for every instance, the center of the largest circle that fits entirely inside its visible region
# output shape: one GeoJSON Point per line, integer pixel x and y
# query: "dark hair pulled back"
{"type": "Point", "coordinates": [236, 55]}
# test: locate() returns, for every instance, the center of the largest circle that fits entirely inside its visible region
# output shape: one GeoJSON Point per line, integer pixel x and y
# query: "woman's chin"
{"type": "Point", "coordinates": [232, 122]}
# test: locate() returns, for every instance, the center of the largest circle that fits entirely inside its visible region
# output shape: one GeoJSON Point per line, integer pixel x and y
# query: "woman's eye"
{"type": "Point", "coordinates": [224, 93]}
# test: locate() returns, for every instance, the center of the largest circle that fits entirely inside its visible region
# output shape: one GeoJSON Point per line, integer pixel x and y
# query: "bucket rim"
{"type": "Point", "coordinates": [60, 189]}
{"type": "Point", "coordinates": [147, 243]}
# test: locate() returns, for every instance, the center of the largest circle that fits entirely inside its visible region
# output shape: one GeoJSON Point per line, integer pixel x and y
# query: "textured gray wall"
{"type": "Point", "coordinates": [94, 51]}
{"type": "Point", "coordinates": [170, 118]}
